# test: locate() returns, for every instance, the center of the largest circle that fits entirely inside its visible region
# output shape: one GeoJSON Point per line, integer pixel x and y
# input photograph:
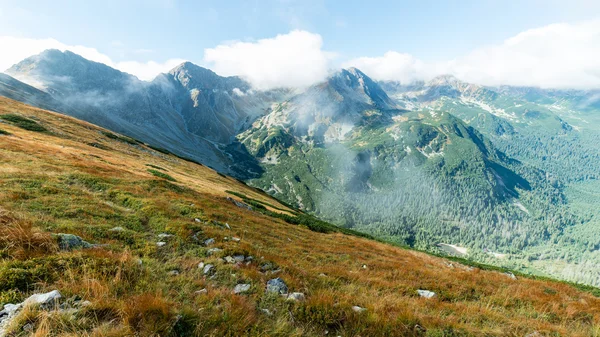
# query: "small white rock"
{"type": "Point", "coordinates": [241, 288]}
{"type": "Point", "coordinates": [426, 293]}
{"type": "Point", "coordinates": [296, 297]}
{"type": "Point", "coordinates": [358, 309]}
{"type": "Point", "coordinates": [208, 269]}
{"type": "Point", "coordinates": [161, 243]}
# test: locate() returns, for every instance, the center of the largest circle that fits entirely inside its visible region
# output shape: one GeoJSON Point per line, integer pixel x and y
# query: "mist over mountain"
{"type": "Point", "coordinates": [508, 173]}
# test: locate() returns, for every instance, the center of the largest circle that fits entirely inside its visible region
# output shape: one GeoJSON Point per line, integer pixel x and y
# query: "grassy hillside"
{"type": "Point", "coordinates": [68, 176]}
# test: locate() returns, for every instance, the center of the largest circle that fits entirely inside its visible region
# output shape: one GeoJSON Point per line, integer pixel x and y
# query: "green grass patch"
{"type": "Point", "coordinates": [156, 167]}
{"type": "Point", "coordinates": [120, 138]}
{"type": "Point", "coordinates": [23, 123]}
{"type": "Point", "coordinates": [5, 133]}
{"type": "Point", "coordinates": [161, 175]}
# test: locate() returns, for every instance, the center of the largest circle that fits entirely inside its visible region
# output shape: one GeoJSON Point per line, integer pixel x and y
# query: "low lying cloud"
{"type": "Point", "coordinates": [15, 49]}
{"type": "Point", "coordinates": [554, 56]}
{"type": "Point", "coordinates": [392, 66]}
{"type": "Point", "coordinates": [295, 59]}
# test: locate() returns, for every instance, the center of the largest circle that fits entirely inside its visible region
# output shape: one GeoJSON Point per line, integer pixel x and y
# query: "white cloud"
{"type": "Point", "coordinates": [391, 66]}
{"type": "Point", "coordinates": [295, 59]}
{"type": "Point", "coordinates": [15, 49]}
{"type": "Point", "coordinates": [147, 70]}
{"type": "Point", "coordinates": [553, 56]}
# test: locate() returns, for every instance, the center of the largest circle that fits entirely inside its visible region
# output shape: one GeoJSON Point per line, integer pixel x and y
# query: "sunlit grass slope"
{"type": "Point", "coordinates": [61, 175]}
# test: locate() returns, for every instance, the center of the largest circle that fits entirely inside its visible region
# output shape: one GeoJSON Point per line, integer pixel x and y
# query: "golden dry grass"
{"type": "Point", "coordinates": [57, 182]}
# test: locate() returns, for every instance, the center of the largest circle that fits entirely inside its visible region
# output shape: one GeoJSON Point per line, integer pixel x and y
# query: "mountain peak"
{"type": "Point", "coordinates": [191, 75]}
{"type": "Point", "coordinates": [446, 79]}
{"type": "Point", "coordinates": [352, 80]}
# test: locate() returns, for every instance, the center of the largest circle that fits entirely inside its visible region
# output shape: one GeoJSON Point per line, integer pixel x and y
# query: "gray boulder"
{"type": "Point", "coordinates": [71, 241]}
{"type": "Point", "coordinates": [209, 242]}
{"type": "Point", "coordinates": [241, 288]}
{"type": "Point", "coordinates": [277, 285]}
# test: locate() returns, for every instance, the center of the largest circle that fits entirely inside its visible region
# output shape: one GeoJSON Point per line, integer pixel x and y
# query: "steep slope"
{"type": "Point", "coordinates": [17, 90]}
{"type": "Point", "coordinates": [124, 197]}
{"type": "Point", "coordinates": [190, 111]}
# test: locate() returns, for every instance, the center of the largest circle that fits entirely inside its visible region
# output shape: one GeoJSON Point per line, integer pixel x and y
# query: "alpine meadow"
{"type": "Point", "coordinates": [255, 174]}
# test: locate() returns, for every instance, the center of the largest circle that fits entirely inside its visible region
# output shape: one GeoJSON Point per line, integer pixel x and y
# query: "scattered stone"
{"type": "Point", "coordinates": [71, 241]}
{"type": "Point", "coordinates": [240, 204]}
{"type": "Point", "coordinates": [201, 265]}
{"type": "Point", "coordinates": [511, 275]}
{"type": "Point", "coordinates": [209, 242]}
{"type": "Point", "coordinates": [46, 301]}
{"type": "Point", "coordinates": [173, 273]}
{"type": "Point", "coordinates": [140, 262]}
{"type": "Point", "coordinates": [277, 285]}
{"type": "Point", "coordinates": [358, 309]}
{"type": "Point", "coordinates": [322, 275]}
{"type": "Point", "coordinates": [266, 312]}
{"type": "Point", "coordinates": [420, 328]}
{"type": "Point", "coordinates": [84, 304]}
{"type": "Point", "coordinates": [234, 239]}
{"type": "Point", "coordinates": [227, 225]}
{"type": "Point", "coordinates": [43, 299]}
{"type": "Point", "coordinates": [239, 258]}
{"type": "Point", "coordinates": [426, 293]}
{"type": "Point", "coordinates": [117, 229]}
{"type": "Point", "coordinates": [28, 327]}
{"type": "Point", "coordinates": [249, 258]}
{"type": "Point", "coordinates": [298, 297]}
{"type": "Point", "coordinates": [164, 236]}
{"type": "Point", "coordinates": [201, 291]}
{"type": "Point", "coordinates": [364, 266]}
{"type": "Point", "coordinates": [213, 250]}
{"type": "Point", "coordinates": [208, 269]}
{"type": "Point", "coordinates": [229, 259]}
{"type": "Point", "coordinates": [197, 220]}
{"type": "Point", "coordinates": [534, 334]}
{"type": "Point", "coordinates": [241, 288]}
{"type": "Point", "coordinates": [161, 243]}
{"type": "Point", "coordinates": [267, 266]}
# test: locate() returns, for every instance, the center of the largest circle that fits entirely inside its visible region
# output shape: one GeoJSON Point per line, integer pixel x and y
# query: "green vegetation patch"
{"type": "Point", "coordinates": [23, 123]}
{"type": "Point", "coordinates": [161, 175]}
{"type": "Point", "coordinates": [120, 138]}
{"type": "Point", "coordinates": [5, 133]}
{"type": "Point", "coordinates": [156, 167]}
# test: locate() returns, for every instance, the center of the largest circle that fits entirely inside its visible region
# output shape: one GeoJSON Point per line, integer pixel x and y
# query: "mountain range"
{"type": "Point", "coordinates": [508, 175]}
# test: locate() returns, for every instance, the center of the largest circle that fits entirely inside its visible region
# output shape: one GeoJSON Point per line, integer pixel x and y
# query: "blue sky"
{"type": "Point", "coordinates": [161, 30]}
